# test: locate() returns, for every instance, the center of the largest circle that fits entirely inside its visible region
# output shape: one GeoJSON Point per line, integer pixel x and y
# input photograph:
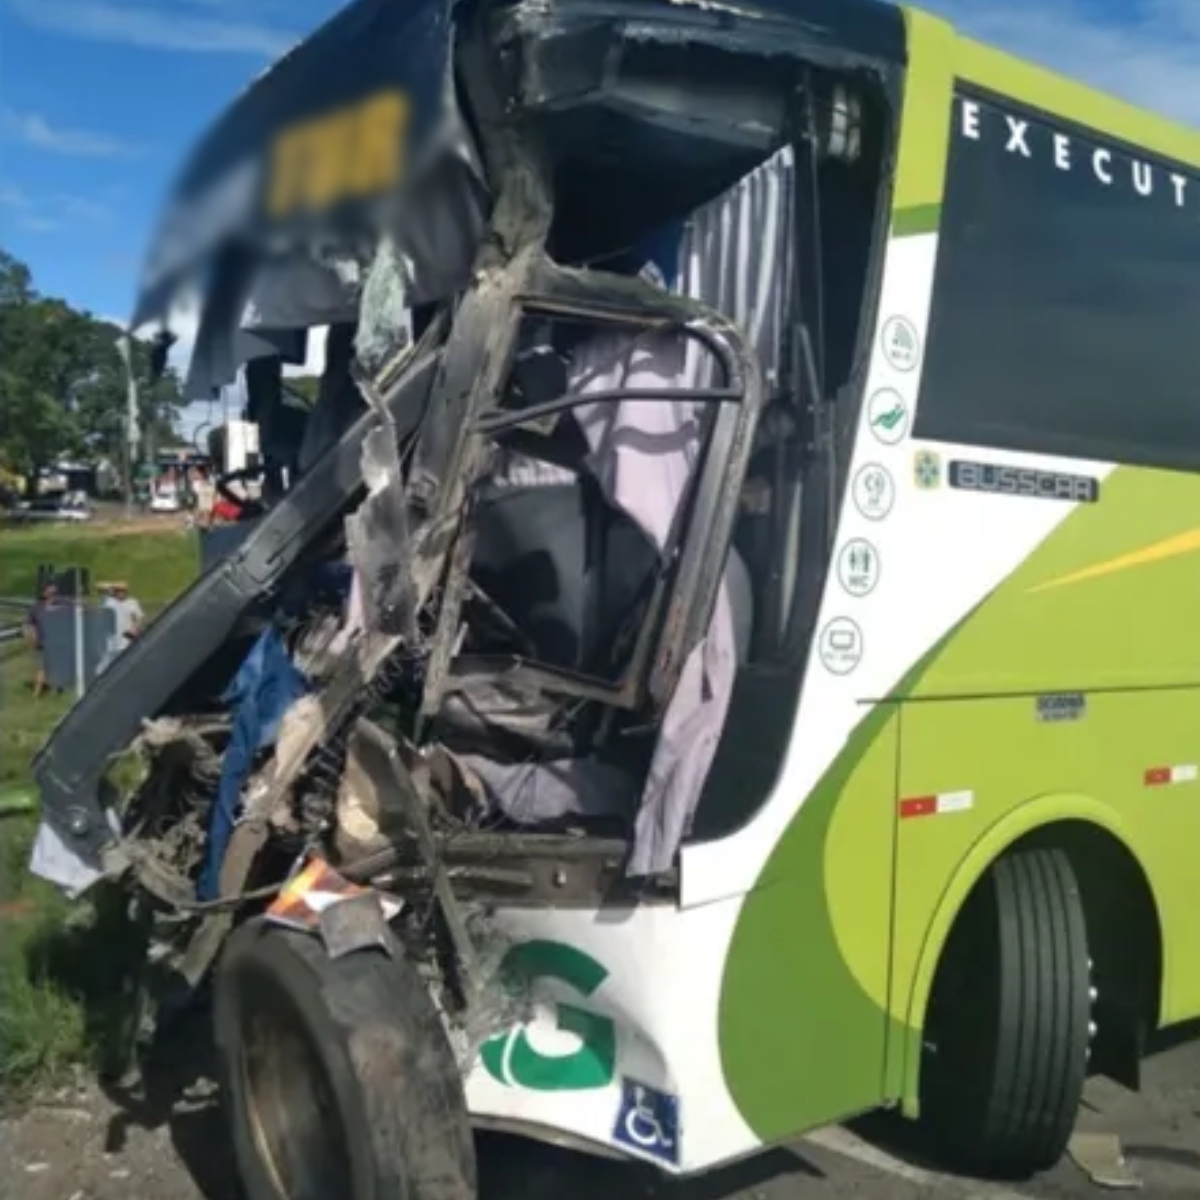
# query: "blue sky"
{"type": "Point", "coordinates": [99, 102]}
{"type": "Point", "coordinates": [100, 99]}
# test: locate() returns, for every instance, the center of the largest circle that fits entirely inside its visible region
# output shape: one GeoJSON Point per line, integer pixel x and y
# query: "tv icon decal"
{"type": "Point", "coordinates": [841, 646]}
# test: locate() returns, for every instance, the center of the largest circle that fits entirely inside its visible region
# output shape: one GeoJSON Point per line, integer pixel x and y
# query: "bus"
{"type": "Point", "coordinates": [764, 685]}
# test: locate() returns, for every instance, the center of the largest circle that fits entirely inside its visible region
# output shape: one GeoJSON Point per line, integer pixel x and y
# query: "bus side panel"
{"type": "Point", "coordinates": [803, 1020]}
{"type": "Point", "coordinates": [976, 775]}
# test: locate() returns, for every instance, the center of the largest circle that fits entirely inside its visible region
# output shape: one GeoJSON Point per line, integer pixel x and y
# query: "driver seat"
{"type": "Point", "coordinates": [568, 571]}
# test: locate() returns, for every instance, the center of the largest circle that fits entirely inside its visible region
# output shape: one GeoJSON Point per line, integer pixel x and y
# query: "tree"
{"type": "Point", "coordinates": [43, 352]}
{"type": "Point", "coordinates": [16, 282]}
{"type": "Point", "coordinates": [62, 381]}
{"type": "Point", "coordinates": [103, 397]}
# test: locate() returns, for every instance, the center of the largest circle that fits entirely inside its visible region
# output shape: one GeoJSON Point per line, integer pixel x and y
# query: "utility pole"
{"type": "Point", "coordinates": [125, 347]}
{"type": "Point", "coordinates": [127, 472]}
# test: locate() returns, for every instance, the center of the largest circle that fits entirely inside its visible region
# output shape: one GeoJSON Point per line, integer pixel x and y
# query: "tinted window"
{"type": "Point", "coordinates": [1066, 310]}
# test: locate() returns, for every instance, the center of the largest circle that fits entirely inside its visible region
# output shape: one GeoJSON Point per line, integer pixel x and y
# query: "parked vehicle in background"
{"type": "Point", "coordinates": [165, 500]}
{"type": "Point", "coordinates": [66, 506]}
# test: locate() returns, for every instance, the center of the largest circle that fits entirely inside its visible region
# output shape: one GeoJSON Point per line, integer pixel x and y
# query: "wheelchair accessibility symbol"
{"type": "Point", "coordinates": [648, 1122]}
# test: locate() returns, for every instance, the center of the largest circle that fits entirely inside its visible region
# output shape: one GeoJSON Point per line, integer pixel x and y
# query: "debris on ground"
{"type": "Point", "coordinates": [1100, 1157]}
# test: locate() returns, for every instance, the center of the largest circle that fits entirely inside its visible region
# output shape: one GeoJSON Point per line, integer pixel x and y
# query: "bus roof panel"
{"type": "Point", "coordinates": [370, 48]}
{"type": "Point", "coordinates": [407, 47]}
{"type": "Point", "coordinates": [1074, 102]}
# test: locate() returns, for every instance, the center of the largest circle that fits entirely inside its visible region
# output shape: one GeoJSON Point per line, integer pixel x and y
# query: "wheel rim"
{"type": "Point", "coordinates": [295, 1123]}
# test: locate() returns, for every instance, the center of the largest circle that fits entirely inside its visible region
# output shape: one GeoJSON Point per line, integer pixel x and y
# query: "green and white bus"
{"type": "Point", "coordinates": [941, 854]}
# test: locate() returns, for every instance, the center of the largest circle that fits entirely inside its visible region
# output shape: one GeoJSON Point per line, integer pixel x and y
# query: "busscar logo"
{"type": "Point", "coordinates": [927, 470]}
{"type": "Point", "coordinates": [1001, 480]}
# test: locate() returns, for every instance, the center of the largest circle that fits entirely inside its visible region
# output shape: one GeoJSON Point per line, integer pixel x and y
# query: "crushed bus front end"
{"type": "Point", "coordinates": [465, 663]}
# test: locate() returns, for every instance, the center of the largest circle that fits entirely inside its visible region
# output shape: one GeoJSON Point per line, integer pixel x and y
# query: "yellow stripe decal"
{"type": "Point", "coordinates": [1172, 547]}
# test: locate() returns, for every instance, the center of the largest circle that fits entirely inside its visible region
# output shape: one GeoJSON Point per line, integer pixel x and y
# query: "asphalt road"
{"type": "Point", "coordinates": [78, 1145]}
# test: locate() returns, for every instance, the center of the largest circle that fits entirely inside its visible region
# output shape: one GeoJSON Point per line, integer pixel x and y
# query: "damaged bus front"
{"type": "Point", "coordinates": [490, 644]}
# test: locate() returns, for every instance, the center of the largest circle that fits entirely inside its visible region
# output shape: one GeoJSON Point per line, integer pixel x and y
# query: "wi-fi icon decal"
{"type": "Point", "coordinates": [901, 343]}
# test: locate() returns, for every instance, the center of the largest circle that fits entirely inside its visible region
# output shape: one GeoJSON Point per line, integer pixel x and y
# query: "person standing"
{"type": "Point", "coordinates": [204, 494]}
{"type": "Point", "coordinates": [128, 620]}
{"type": "Point", "coordinates": [35, 632]}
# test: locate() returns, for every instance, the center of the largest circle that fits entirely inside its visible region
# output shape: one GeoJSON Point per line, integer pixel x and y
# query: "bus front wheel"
{"type": "Point", "coordinates": [1008, 1031]}
{"type": "Point", "coordinates": [337, 1076]}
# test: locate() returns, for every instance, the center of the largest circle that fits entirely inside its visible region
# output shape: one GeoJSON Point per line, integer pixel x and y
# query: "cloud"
{"type": "Point", "coordinates": [170, 27]}
{"type": "Point", "coordinates": [37, 223]}
{"type": "Point", "coordinates": [1144, 51]}
{"type": "Point", "coordinates": [26, 215]}
{"type": "Point", "coordinates": [35, 130]}
{"type": "Point", "coordinates": [81, 208]}
{"type": "Point", "coordinates": [12, 197]}
{"type": "Point", "coordinates": [47, 214]}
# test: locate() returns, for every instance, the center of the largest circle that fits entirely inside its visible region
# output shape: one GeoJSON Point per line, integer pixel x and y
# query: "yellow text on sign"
{"type": "Point", "coordinates": [347, 154]}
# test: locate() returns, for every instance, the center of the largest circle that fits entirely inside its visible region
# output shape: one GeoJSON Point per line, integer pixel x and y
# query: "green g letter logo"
{"type": "Point", "coordinates": [510, 1059]}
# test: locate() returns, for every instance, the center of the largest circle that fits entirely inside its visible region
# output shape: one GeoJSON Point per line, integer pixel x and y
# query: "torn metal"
{"type": "Point", "coordinates": [477, 640]}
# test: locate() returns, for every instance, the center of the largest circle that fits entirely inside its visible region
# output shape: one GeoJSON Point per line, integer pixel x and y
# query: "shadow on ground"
{"type": "Point", "coordinates": [176, 1091]}
{"type": "Point", "coordinates": [515, 1169]}
{"type": "Point", "coordinates": [910, 1144]}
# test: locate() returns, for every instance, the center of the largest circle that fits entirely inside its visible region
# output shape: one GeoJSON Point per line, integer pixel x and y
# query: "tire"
{"type": "Point", "coordinates": [1007, 1039]}
{"type": "Point", "coordinates": [338, 1079]}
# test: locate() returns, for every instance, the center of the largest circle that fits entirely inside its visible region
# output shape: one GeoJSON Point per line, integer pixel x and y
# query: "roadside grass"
{"type": "Point", "coordinates": [42, 1025]}
{"type": "Point", "coordinates": [157, 559]}
{"type": "Point", "coordinates": [56, 981]}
